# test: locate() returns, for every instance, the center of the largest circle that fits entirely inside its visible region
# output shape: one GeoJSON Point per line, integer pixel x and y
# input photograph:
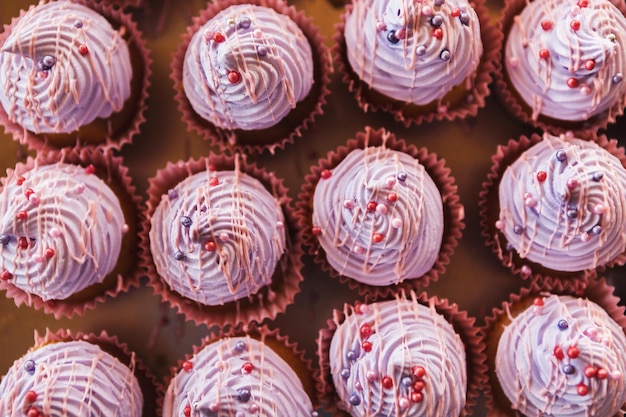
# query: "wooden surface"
{"type": "Point", "coordinates": [475, 279]}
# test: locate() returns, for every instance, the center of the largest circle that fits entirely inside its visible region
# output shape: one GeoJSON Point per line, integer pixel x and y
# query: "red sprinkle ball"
{"type": "Point", "coordinates": [31, 396]}
{"type": "Point", "coordinates": [572, 82]}
{"type": "Point", "coordinates": [558, 352]}
{"type": "Point", "coordinates": [218, 37]}
{"type": "Point", "coordinates": [187, 366]}
{"type": "Point", "coordinates": [417, 397]}
{"type": "Point", "coordinates": [544, 54]}
{"type": "Point", "coordinates": [371, 206]}
{"type": "Point", "coordinates": [247, 367]}
{"type": "Point", "coordinates": [28, 192]}
{"type": "Point", "coordinates": [49, 253]}
{"type": "Point", "coordinates": [90, 169]}
{"type": "Point", "coordinates": [437, 33]}
{"type": "Point", "coordinates": [573, 352]}
{"type": "Point", "coordinates": [316, 231]}
{"type": "Point", "coordinates": [33, 412]}
{"type": "Point", "coordinates": [387, 382]}
{"type": "Point", "coordinates": [541, 176]}
{"type": "Point", "coordinates": [187, 410]}
{"type": "Point", "coordinates": [20, 180]}
{"type": "Point", "coordinates": [590, 64]}
{"type": "Point", "coordinates": [602, 373]}
{"type": "Point", "coordinates": [455, 12]}
{"type": "Point", "coordinates": [590, 371]}
{"type": "Point", "coordinates": [582, 389]}
{"type": "Point", "coordinates": [325, 174]}
{"type": "Point", "coordinates": [538, 301]}
{"type": "Point", "coordinates": [6, 275]}
{"type": "Point", "coordinates": [22, 215]}
{"type": "Point", "coordinates": [392, 197]}
{"type": "Point", "coordinates": [214, 181]}
{"type": "Point", "coordinates": [583, 3]}
{"type": "Point", "coordinates": [82, 49]}
{"type": "Point", "coordinates": [546, 25]}
{"type": "Point", "coordinates": [418, 371]}
{"type": "Point", "coordinates": [234, 77]}
{"type": "Point", "coordinates": [210, 246]}
{"type": "Point", "coordinates": [365, 331]}
{"type": "Point", "coordinates": [22, 242]}
{"type": "Point", "coordinates": [377, 237]}
{"type": "Point", "coordinates": [574, 24]}
{"type": "Point", "coordinates": [367, 346]}
{"type": "Point", "coordinates": [419, 385]}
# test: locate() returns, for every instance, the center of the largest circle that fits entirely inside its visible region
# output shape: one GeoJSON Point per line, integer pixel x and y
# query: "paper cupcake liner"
{"type": "Point", "coordinates": [111, 345]}
{"type": "Point", "coordinates": [270, 300]}
{"type": "Point", "coordinates": [289, 128]}
{"type": "Point", "coordinates": [597, 291]}
{"type": "Point", "coordinates": [517, 107]}
{"type": "Point", "coordinates": [489, 212]}
{"type": "Point", "coordinates": [453, 210]}
{"type": "Point", "coordinates": [369, 99]}
{"type": "Point", "coordinates": [127, 272]}
{"type": "Point", "coordinates": [135, 105]}
{"type": "Point", "coordinates": [288, 350]}
{"type": "Point", "coordinates": [463, 324]}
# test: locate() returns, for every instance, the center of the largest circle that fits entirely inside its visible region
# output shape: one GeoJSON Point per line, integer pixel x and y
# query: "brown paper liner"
{"type": "Point", "coordinates": [597, 291]}
{"type": "Point", "coordinates": [489, 212]}
{"type": "Point", "coordinates": [270, 300]}
{"type": "Point", "coordinates": [463, 324]}
{"type": "Point", "coordinates": [290, 127]}
{"type": "Point", "coordinates": [116, 130]}
{"type": "Point", "coordinates": [111, 345]}
{"type": "Point", "coordinates": [453, 211]}
{"type": "Point", "coordinates": [458, 104]}
{"type": "Point", "coordinates": [280, 344]}
{"type": "Point", "coordinates": [127, 272]}
{"type": "Point", "coordinates": [517, 107]}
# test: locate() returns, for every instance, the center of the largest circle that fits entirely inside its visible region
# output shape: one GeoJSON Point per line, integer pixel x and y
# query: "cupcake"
{"type": "Point", "coordinates": [419, 61]}
{"type": "Point", "coordinates": [257, 372]}
{"type": "Point", "coordinates": [407, 355]}
{"type": "Point", "coordinates": [250, 75]}
{"type": "Point", "coordinates": [562, 65]}
{"type": "Point", "coordinates": [82, 375]}
{"type": "Point", "coordinates": [69, 226]}
{"type": "Point", "coordinates": [558, 354]}
{"type": "Point", "coordinates": [73, 73]}
{"type": "Point", "coordinates": [558, 203]}
{"type": "Point", "coordinates": [380, 213]}
{"type": "Point", "coordinates": [223, 243]}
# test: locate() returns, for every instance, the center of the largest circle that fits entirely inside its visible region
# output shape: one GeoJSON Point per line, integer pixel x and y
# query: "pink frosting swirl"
{"type": "Point", "coordinates": [61, 67]}
{"type": "Point", "coordinates": [398, 358]}
{"type": "Point", "coordinates": [380, 217]}
{"type": "Point", "coordinates": [413, 51]}
{"type": "Point", "coordinates": [564, 358]}
{"type": "Point", "coordinates": [237, 376]}
{"type": "Point", "coordinates": [217, 236]}
{"type": "Point", "coordinates": [247, 67]}
{"type": "Point", "coordinates": [70, 379]}
{"type": "Point", "coordinates": [61, 230]}
{"type": "Point", "coordinates": [563, 204]}
{"type": "Point", "coordinates": [565, 58]}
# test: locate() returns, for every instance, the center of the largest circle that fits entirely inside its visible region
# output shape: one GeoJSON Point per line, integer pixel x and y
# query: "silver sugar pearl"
{"type": "Point", "coordinates": [420, 50]}
{"type": "Point", "coordinates": [445, 55]}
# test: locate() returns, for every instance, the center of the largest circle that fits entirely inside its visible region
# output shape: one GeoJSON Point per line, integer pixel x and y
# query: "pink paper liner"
{"type": "Point", "coordinates": [516, 106]}
{"type": "Point", "coordinates": [141, 63]}
{"type": "Point", "coordinates": [489, 212]}
{"type": "Point", "coordinates": [453, 210]}
{"type": "Point", "coordinates": [111, 345]}
{"type": "Point", "coordinates": [289, 352]}
{"type": "Point", "coordinates": [596, 290]}
{"type": "Point", "coordinates": [241, 141]}
{"type": "Point", "coordinates": [401, 111]}
{"type": "Point", "coordinates": [463, 324]}
{"type": "Point", "coordinates": [270, 300]}
{"type": "Point", "coordinates": [112, 171]}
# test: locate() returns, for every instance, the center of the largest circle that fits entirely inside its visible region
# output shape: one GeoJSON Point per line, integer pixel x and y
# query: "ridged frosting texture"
{"type": "Point", "coordinates": [70, 379]}
{"type": "Point", "coordinates": [217, 236]}
{"type": "Point", "coordinates": [378, 215]}
{"type": "Point", "coordinates": [566, 58]}
{"type": "Point", "coordinates": [564, 358]}
{"type": "Point", "coordinates": [562, 204]}
{"type": "Point", "coordinates": [398, 358]}
{"type": "Point", "coordinates": [61, 230]}
{"type": "Point", "coordinates": [413, 51]}
{"type": "Point", "coordinates": [247, 68]}
{"type": "Point", "coordinates": [62, 66]}
{"type": "Point", "coordinates": [236, 376]}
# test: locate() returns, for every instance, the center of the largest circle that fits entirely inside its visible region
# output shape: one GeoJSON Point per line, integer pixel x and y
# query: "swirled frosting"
{"type": "Point", "coordinates": [217, 236]}
{"type": "Point", "coordinates": [398, 358]}
{"type": "Point", "coordinates": [71, 379]}
{"type": "Point", "coordinates": [563, 357]}
{"type": "Point", "coordinates": [61, 67]}
{"type": "Point", "coordinates": [413, 51]}
{"type": "Point", "coordinates": [562, 204]}
{"type": "Point", "coordinates": [61, 230]}
{"type": "Point", "coordinates": [247, 68]}
{"type": "Point", "coordinates": [378, 215]}
{"type": "Point", "coordinates": [566, 58]}
{"type": "Point", "coordinates": [236, 376]}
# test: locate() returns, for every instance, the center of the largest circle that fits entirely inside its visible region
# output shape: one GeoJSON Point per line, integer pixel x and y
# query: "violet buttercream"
{"type": "Point", "coordinates": [380, 217]}
{"type": "Point", "coordinates": [565, 58]}
{"type": "Point", "coordinates": [563, 204]}
{"type": "Point", "coordinates": [61, 230]}
{"type": "Point", "coordinates": [563, 357]}
{"type": "Point", "coordinates": [70, 379]}
{"type": "Point", "coordinates": [398, 358]}
{"type": "Point", "coordinates": [61, 67]}
{"type": "Point", "coordinates": [217, 236]}
{"type": "Point", "coordinates": [247, 68]}
{"type": "Point", "coordinates": [236, 376]}
{"type": "Point", "coordinates": [413, 51]}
